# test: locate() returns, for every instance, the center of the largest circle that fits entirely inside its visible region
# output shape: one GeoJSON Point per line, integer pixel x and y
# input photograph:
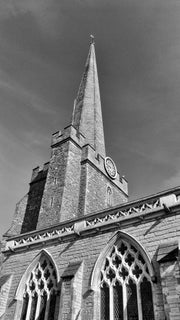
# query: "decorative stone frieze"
{"type": "Point", "coordinates": [111, 218]}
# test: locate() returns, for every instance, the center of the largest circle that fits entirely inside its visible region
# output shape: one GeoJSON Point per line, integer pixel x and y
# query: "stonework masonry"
{"type": "Point", "coordinates": [87, 249]}
{"type": "Point", "coordinates": [34, 200]}
{"type": "Point", "coordinates": [76, 221]}
{"type": "Point", "coordinates": [76, 179]}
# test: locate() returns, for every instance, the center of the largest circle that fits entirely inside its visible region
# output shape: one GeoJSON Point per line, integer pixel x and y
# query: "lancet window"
{"type": "Point", "coordinates": [39, 298]}
{"type": "Point", "coordinates": [109, 196]}
{"type": "Point", "coordinates": [126, 288]}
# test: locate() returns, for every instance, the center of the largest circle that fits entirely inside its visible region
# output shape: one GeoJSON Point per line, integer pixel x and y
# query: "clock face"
{"type": "Point", "coordinates": [110, 167]}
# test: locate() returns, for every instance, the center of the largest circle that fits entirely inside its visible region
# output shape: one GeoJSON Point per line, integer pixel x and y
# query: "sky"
{"type": "Point", "coordinates": [43, 48]}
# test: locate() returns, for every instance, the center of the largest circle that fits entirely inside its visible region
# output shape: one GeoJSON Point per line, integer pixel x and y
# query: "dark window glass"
{"type": "Point", "coordinates": [132, 308]}
{"type": "Point", "coordinates": [146, 300]}
{"type": "Point", "coordinates": [105, 302]}
{"type": "Point", "coordinates": [118, 302]}
{"type": "Point", "coordinates": [52, 306]}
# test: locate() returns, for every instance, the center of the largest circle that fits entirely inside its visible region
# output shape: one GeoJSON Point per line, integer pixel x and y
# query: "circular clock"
{"type": "Point", "coordinates": [110, 167]}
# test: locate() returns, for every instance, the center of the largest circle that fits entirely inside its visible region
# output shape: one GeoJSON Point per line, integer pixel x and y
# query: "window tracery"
{"type": "Point", "coordinates": [126, 288]}
{"type": "Point", "coordinates": [39, 298]}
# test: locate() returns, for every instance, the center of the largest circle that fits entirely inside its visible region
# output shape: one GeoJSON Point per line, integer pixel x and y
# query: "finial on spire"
{"type": "Point", "coordinates": [92, 39]}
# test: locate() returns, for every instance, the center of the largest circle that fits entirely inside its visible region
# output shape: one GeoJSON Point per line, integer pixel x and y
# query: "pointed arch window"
{"type": "Point", "coordinates": [125, 287]}
{"type": "Point", "coordinates": [109, 196]}
{"type": "Point", "coordinates": [40, 291]}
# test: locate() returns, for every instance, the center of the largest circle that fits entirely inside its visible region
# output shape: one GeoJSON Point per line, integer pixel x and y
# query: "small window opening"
{"type": "Point", "coordinates": [51, 201]}
{"type": "Point", "coordinates": [109, 196]}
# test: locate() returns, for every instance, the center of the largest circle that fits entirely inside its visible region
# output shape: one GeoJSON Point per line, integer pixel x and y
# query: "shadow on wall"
{"type": "Point", "coordinates": [34, 202]}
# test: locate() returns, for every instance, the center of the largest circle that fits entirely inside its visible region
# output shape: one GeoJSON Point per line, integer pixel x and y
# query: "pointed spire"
{"type": "Point", "coordinates": [87, 114]}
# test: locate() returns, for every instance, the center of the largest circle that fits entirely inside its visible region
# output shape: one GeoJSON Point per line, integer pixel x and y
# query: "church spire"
{"type": "Point", "coordinates": [87, 114]}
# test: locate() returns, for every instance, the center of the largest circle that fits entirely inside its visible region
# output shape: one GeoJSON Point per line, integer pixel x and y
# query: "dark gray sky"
{"type": "Point", "coordinates": [43, 48]}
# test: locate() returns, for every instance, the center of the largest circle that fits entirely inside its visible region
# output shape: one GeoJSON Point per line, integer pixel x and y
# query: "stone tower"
{"type": "Point", "coordinates": [79, 179]}
{"type": "Point", "coordinates": [77, 249]}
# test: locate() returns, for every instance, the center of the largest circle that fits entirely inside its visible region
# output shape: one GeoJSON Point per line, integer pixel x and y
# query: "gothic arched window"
{"type": "Point", "coordinates": [40, 291]}
{"type": "Point", "coordinates": [125, 287]}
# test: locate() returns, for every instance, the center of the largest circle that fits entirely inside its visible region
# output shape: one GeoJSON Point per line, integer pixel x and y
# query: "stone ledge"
{"type": "Point", "coordinates": [119, 217]}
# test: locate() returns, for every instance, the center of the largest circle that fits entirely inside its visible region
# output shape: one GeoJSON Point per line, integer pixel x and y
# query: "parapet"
{"type": "Point", "coordinates": [69, 132]}
{"type": "Point", "coordinates": [88, 153]}
{"type": "Point", "coordinates": [39, 172]}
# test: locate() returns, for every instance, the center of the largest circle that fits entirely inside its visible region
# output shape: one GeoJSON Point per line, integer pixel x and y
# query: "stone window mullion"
{"type": "Point", "coordinates": [33, 306]}
{"type": "Point", "coordinates": [29, 308]}
{"type": "Point", "coordinates": [139, 302]}
{"type": "Point", "coordinates": [24, 304]}
{"type": "Point", "coordinates": [38, 306]}
{"type": "Point", "coordinates": [124, 301]}
{"type": "Point", "coordinates": [111, 303]}
{"type": "Point", "coordinates": [47, 307]}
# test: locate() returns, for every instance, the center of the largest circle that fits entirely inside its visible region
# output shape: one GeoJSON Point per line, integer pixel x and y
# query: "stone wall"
{"type": "Point", "coordinates": [94, 185]}
{"type": "Point", "coordinates": [61, 193]}
{"type": "Point", "coordinates": [27, 209]}
{"type": "Point", "coordinates": [18, 217]}
{"type": "Point", "coordinates": [87, 249]}
{"type": "Point", "coordinates": [77, 181]}
{"type": "Point", "coordinates": [170, 279]}
{"type": "Point", "coordinates": [34, 202]}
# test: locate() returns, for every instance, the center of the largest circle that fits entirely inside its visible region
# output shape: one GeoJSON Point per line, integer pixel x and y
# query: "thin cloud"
{"type": "Point", "coordinates": [172, 182]}
{"type": "Point", "coordinates": [45, 12]}
{"type": "Point", "coordinates": [18, 92]}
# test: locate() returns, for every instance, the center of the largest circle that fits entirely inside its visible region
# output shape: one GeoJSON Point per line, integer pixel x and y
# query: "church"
{"type": "Point", "coordinates": [77, 249]}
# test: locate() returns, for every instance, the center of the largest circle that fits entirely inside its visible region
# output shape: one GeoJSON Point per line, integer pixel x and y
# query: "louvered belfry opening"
{"type": "Point", "coordinates": [39, 299]}
{"type": "Point", "coordinates": [126, 287]}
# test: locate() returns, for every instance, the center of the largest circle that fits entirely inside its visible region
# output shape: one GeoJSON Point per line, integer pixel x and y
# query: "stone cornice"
{"type": "Point", "coordinates": [140, 211]}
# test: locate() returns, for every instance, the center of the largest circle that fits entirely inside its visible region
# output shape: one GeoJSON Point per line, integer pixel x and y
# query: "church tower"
{"type": "Point", "coordinates": [79, 179]}
{"type": "Point", "coordinates": [77, 249]}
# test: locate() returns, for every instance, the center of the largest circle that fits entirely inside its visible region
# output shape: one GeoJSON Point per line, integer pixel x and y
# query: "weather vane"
{"type": "Point", "coordinates": [92, 38]}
